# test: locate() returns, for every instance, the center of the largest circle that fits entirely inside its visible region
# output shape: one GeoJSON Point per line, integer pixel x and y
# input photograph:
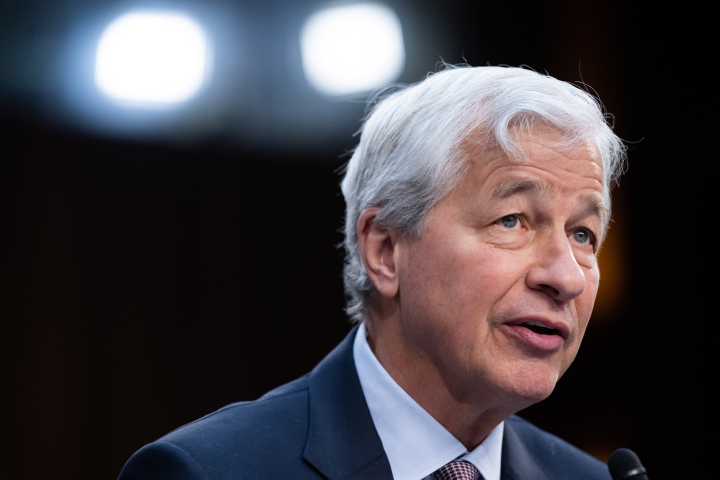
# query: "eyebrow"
{"type": "Point", "coordinates": [589, 203]}
{"type": "Point", "coordinates": [509, 188]}
{"type": "Point", "coordinates": [596, 206]}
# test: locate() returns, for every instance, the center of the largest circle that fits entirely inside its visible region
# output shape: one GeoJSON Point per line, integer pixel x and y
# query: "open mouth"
{"type": "Point", "coordinates": [538, 327]}
{"type": "Point", "coordinates": [540, 333]}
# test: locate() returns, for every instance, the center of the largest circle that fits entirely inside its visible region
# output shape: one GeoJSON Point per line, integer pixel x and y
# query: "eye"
{"type": "Point", "coordinates": [509, 221]}
{"type": "Point", "coordinates": [581, 236]}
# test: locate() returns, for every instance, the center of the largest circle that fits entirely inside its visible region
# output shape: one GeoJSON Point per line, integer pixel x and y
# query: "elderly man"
{"type": "Point", "coordinates": [477, 201]}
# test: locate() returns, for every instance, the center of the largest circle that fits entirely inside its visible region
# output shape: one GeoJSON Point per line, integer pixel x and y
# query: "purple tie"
{"type": "Point", "coordinates": [457, 471]}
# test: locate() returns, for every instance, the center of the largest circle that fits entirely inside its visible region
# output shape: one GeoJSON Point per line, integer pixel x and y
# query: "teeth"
{"type": "Point", "coordinates": [537, 323]}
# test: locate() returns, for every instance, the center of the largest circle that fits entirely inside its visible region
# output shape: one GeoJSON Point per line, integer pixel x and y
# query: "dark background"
{"type": "Point", "coordinates": [145, 283]}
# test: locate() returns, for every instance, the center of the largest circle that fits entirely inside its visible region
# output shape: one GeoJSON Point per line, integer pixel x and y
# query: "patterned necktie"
{"type": "Point", "coordinates": [457, 471]}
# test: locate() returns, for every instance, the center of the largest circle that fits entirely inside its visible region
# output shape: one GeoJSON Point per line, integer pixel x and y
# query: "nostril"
{"type": "Point", "coordinates": [550, 289]}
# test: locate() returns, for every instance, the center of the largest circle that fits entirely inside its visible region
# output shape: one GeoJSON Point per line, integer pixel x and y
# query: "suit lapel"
{"type": "Point", "coordinates": [517, 462]}
{"type": "Point", "coordinates": [343, 442]}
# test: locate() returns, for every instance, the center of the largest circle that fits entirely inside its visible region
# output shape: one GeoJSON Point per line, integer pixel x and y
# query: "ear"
{"type": "Point", "coordinates": [380, 253]}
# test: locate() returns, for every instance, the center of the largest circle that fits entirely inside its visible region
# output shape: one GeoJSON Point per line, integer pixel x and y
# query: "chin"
{"type": "Point", "coordinates": [532, 394]}
{"type": "Point", "coordinates": [531, 384]}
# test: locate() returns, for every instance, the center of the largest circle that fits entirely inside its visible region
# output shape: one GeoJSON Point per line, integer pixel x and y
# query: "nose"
{"type": "Point", "coordinates": [556, 271]}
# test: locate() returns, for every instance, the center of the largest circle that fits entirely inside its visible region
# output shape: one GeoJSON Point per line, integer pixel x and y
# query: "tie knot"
{"type": "Point", "coordinates": [457, 471]}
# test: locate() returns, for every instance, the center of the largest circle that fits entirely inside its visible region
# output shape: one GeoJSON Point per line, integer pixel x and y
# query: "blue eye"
{"type": "Point", "coordinates": [581, 236]}
{"type": "Point", "coordinates": [509, 221]}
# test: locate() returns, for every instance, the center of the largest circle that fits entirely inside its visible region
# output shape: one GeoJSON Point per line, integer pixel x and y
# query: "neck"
{"type": "Point", "coordinates": [468, 408]}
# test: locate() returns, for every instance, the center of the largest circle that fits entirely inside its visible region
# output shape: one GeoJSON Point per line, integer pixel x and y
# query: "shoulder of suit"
{"type": "Point", "coordinates": [236, 441]}
{"type": "Point", "coordinates": [559, 458]}
{"type": "Point", "coordinates": [254, 420]}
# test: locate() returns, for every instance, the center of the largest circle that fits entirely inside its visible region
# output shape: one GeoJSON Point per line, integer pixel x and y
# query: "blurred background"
{"type": "Point", "coordinates": [170, 209]}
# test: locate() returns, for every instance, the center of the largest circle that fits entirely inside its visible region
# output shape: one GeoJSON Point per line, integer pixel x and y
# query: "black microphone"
{"type": "Point", "coordinates": [625, 465]}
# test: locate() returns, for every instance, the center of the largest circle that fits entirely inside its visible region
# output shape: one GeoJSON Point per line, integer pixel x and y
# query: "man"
{"type": "Point", "coordinates": [477, 201]}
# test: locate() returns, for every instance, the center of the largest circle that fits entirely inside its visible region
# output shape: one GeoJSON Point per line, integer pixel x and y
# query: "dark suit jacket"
{"type": "Point", "coordinates": [319, 427]}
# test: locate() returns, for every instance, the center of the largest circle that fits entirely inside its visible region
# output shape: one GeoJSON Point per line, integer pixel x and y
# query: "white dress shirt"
{"type": "Point", "coordinates": [415, 443]}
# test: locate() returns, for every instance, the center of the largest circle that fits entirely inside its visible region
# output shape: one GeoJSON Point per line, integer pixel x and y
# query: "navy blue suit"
{"type": "Point", "coordinates": [319, 427]}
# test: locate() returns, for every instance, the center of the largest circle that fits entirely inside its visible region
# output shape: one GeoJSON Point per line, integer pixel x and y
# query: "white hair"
{"type": "Point", "coordinates": [410, 156]}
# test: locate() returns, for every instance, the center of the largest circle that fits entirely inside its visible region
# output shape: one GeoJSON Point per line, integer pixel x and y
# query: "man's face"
{"type": "Point", "coordinates": [499, 289]}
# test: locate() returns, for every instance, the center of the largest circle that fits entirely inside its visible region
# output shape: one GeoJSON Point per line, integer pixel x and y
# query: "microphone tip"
{"type": "Point", "coordinates": [625, 464]}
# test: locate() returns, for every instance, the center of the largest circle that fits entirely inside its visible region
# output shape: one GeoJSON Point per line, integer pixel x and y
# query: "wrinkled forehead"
{"type": "Point", "coordinates": [546, 152]}
{"type": "Point", "coordinates": [537, 143]}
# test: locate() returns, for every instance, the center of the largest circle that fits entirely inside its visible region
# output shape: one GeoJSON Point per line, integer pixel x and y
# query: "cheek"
{"type": "Point", "coordinates": [450, 297]}
{"type": "Point", "coordinates": [460, 283]}
{"type": "Point", "coordinates": [480, 270]}
{"type": "Point", "coordinates": [585, 302]}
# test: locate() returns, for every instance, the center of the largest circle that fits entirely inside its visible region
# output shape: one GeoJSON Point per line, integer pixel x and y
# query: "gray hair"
{"type": "Point", "coordinates": [409, 155]}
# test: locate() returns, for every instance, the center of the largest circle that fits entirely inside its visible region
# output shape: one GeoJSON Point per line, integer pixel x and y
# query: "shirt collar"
{"type": "Point", "coordinates": [415, 443]}
{"type": "Point", "coordinates": [487, 456]}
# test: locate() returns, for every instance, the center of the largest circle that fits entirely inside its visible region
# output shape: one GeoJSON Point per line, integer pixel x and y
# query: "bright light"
{"type": "Point", "coordinates": [151, 57]}
{"type": "Point", "coordinates": [352, 48]}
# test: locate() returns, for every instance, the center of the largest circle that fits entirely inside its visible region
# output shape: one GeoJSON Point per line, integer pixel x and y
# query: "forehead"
{"type": "Point", "coordinates": [543, 153]}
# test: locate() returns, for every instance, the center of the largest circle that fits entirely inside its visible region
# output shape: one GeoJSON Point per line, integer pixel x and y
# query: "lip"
{"type": "Point", "coordinates": [537, 340]}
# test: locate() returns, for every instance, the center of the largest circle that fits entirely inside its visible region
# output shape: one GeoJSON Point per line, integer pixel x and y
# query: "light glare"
{"type": "Point", "coordinates": [153, 57]}
{"type": "Point", "coordinates": [352, 48]}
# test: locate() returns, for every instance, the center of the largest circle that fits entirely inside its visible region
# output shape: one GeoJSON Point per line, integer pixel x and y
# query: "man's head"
{"type": "Point", "coordinates": [476, 203]}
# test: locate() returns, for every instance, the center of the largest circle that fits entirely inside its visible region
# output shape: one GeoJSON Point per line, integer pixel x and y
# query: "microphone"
{"type": "Point", "coordinates": [625, 465]}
